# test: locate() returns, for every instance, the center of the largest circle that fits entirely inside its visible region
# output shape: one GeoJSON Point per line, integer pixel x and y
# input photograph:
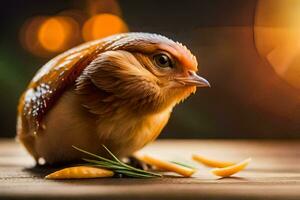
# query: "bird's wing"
{"type": "Point", "coordinates": [51, 81]}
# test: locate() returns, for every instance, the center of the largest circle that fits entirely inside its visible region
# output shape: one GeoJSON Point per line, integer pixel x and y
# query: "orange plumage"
{"type": "Point", "coordinates": [118, 91]}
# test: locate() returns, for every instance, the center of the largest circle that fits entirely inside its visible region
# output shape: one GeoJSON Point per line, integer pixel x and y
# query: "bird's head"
{"type": "Point", "coordinates": [150, 70]}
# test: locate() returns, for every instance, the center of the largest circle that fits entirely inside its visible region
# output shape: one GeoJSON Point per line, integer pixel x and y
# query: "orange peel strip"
{"type": "Point", "coordinates": [230, 170]}
{"type": "Point", "coordinates": [212, 163]}
{"type": "Point", "coordinates": [80, 172]}
{"type": "Point", "coordinates": [161, 164]}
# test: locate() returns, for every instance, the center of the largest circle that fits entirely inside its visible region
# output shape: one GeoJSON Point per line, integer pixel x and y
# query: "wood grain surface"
{"type": "Point", "coordinates": [274, 173]}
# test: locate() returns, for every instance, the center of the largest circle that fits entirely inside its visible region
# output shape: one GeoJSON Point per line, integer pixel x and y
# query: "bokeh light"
{"type": "Point", "coordinates": [57, 33]}
{"type": "Point", "coordinates": [103, 25]}
{"type": "Point", "coordinates": [277, 37]}
{"type": "Point", "coordinates": [28, 36]}
{"type": "Point", "coordinates": [43, 36]}
{"type": "Point", "coordinates": [46, 36]}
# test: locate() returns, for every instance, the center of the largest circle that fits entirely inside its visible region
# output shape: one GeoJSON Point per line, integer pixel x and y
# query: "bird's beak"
{"type": "Point", "coordinates": [194, 80]}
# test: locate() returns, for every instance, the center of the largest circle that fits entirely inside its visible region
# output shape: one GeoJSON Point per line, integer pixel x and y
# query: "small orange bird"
{"type": "Point", "coordinates": [118, 91]}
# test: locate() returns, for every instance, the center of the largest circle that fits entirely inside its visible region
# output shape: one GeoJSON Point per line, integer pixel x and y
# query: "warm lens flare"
{"type": "Point", "coordinates": [103, 25]}
{"type": "Point", "coordinates": [55, 34]}
{"type": "Point", "coordinates": [277, 37]}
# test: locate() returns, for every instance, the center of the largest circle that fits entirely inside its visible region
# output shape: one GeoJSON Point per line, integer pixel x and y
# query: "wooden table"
{"type": "Point", "coordinates": [273, 174]}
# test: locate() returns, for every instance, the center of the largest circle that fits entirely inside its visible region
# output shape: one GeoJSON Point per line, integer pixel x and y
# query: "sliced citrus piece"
{"type": "Point", "coordinates": [230, 170]}
{"type": "Point", "coordinates": [168, 166]}
{"type": "Point", "coordinates": [211, 162]}
{"type": "Point", "coordinates": [80, 172]}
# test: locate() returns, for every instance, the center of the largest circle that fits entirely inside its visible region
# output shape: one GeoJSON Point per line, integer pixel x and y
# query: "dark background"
{"type": "Point", "coordinates": [247, 98]}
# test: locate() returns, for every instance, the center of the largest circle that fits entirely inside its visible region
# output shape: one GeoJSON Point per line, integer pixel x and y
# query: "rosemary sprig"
{"type": "Point", "coordinates": [183, 164]}
{"type": "Point", "coordinates": [116, 165]}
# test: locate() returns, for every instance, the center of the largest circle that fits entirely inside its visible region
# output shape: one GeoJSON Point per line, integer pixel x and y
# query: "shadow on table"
{"type": "Point", "coordinates": [43, 170]}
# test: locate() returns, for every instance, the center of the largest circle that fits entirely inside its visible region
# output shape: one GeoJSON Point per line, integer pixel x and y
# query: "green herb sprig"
{"type": "Point", "coordinates": [183, 164]}
{"type": "Point", "coordinates": [116, 165]}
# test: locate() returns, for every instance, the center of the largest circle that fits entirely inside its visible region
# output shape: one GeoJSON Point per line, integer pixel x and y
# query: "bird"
{"type": "Point", "coordinates": [117, 91]}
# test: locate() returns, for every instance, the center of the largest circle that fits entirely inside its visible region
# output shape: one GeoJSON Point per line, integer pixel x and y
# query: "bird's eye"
{"type": "Point", "coordinates": [163, 61]}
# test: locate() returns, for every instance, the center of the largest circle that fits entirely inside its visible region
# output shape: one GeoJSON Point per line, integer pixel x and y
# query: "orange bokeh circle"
{"type": "Point", "coordinates": [57, 33]}
{"type": "Point", "coordinates": [45, 36]}
{"type": "Point", "coordinates": [103, 25]}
